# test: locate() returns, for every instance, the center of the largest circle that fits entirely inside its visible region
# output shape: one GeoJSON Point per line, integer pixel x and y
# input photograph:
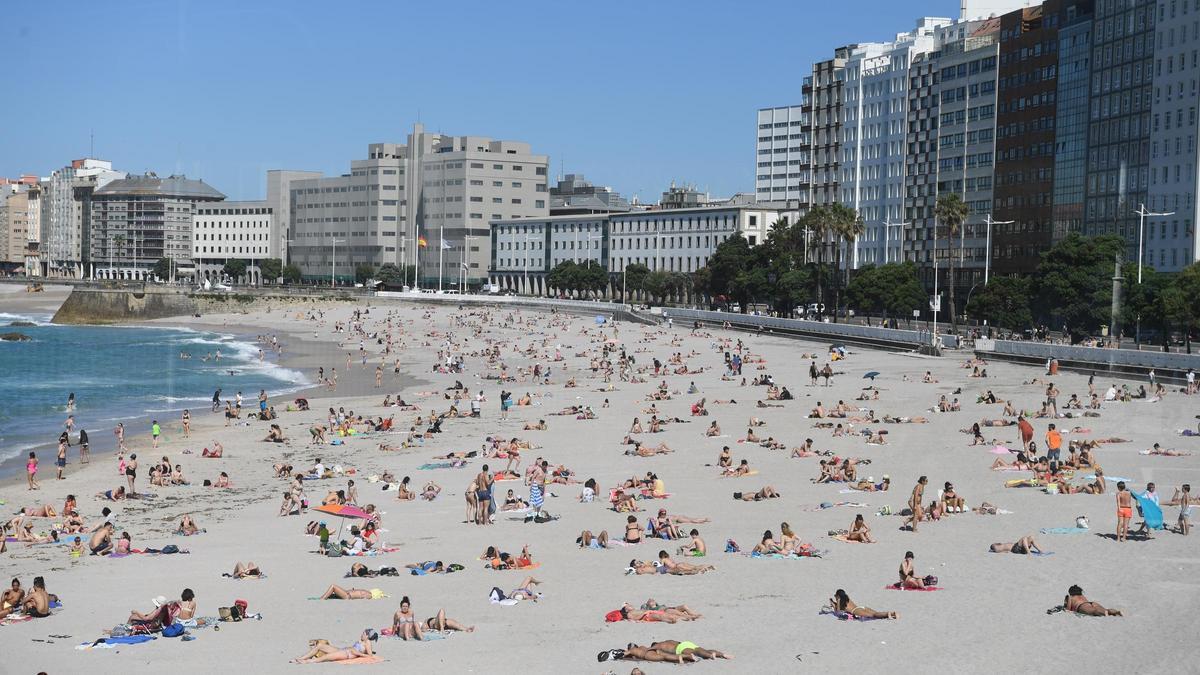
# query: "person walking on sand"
{"type": "Point", "coordinates": [813, 373]}
{"type": "Point", "coordinates": [155, 431]}
{"type": "Point", "coordinates": [119, 432]}
{"type": "Point", "coordinates": [187, 423]}
{"type": "Point", "coordinates": [216, 400]}
{"type": "Point", "coordinates": [537, 487]}
{"type": "Point", "coordinates": [31, 471]}
{"type": "Point", "coordinates": [84, 449]}
{"type": "Point", "coordinates": [1025, 429]}
{"type": "Point", "coordinates": [914, 503]}
{"type": "Point", "coordinates": [1124, 511]}
{"type": "Point", "coordinates": [61, 460]}
{"type": "Point", "coordinates": [378, 376]}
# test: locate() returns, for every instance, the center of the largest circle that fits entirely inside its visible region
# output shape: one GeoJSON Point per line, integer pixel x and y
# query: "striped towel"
{"type": "Point", "coordinates": [535, 496]}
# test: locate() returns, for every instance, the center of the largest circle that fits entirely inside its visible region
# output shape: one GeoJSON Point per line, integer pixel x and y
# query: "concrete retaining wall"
{"type": "Point", "coordinates": [1167, 366]}
{"type": "Point", "coordinates": [869, 336]}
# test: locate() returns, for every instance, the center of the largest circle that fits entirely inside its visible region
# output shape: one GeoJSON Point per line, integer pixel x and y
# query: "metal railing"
{"type": "Point", "coordinates": [831, 331]}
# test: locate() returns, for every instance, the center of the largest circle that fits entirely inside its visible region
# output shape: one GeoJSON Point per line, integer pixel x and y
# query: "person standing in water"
{"type": "Point", "coordinates": [119, 432]}
{"type": "Point", "coordinates": [71, 402]}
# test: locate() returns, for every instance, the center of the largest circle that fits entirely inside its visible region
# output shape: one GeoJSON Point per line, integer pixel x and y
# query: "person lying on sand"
{"type": "Point", "coordinates": [767, 492]}
{"type": "Point", "coordinates": [243, 570]}
{"type": "Point", "coordinates": [1077, 602]}
{"type": "Point", "coordinates": [323, 652]}
{"type": "Point", "coordinates": [443, 624]}
{"type": "Point", "coordinates": [1023, 546]}
{"type": "Point", "coordinates": [840, 602]}
{"type": "Point", "coordinates": [588, 540]}
{"type": "Point", "coordinates": [335, 592]}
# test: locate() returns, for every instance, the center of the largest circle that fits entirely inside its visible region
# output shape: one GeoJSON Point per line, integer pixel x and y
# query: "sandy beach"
{"type": "Point", "coordinates": [990, 614]}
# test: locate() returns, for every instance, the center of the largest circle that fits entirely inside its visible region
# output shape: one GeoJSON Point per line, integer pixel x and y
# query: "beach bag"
{"type": "Point", "coordinates": [174, 630]}
{"type": "Point", "coordinates": [242, 606]}
{"type": "Point", "coordinates": [225, 614]}
{"type": "Point", "coordinates": [1082, 522]}
{"type": "Point", "coordinates": [170, 548]}
{"type": "Point", "coordinates": [613, 616]}
{"type": "Point", "coordinates": [497, 595]}
{"type": "Point", "coordinates": [930, 580]}
{"type": "Point", "coordinates": [334, 550]}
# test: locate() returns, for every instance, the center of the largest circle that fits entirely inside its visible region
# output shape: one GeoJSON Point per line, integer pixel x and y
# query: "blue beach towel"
{"type": "Point", "coordinates": [1064, 530]}
{"type": "Point", "coordinates": [1150, 511]}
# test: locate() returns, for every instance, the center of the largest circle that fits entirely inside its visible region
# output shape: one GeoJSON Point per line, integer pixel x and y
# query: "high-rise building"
{"type": "Point", "coordinates": [1170, 242]}
{"type": "Point", "coordinates": [1122, 83]}
{"type": "Point", "coordinates": [873, 138]}
{"type": "Point", "coordinates": [782, 167]}
{"type": "Point", "coordinates": [1025, 138]}
{"type": "Point", "coordinates": [1071, 115]}
{"type": "Point", "coordinates": [66, 210]}
{"type": "Point", "coordinates": [823, 99]}
{"type": "Point", "coordinates": [138, 220]}
{"type": "Point", "coordinates": [426, 203]}
{"type": "Point", "coordinates": [921, 164]}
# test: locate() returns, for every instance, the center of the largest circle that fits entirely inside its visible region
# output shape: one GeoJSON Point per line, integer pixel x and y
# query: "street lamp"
{"type": "Point", "coordinates": [1142, 213]}
{"type": "Point", "coordinates": [887, 230]}
{"type": "Point", "coordinates": [987, 260]}
{"type": "Point", "coordinates": [333, 267]}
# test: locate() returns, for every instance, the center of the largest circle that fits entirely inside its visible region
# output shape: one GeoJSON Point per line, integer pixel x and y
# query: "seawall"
{"type": "Point", "coordinates": [125, 305]}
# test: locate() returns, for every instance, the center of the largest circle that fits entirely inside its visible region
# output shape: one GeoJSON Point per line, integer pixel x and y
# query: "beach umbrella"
{"type": "Point", "coordinates": [343, 511]}
{"type": "Point", "coordinates": [871, 375]}
{"type": "Point", "coordinates": [600, 320]}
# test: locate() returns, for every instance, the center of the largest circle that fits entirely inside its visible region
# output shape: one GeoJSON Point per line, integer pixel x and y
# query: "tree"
{"type": "Point", "coordinates": [234, 269]}
{"type": "Point", "coordinates": [816, 226]}
{"type": "Point", "coordinates": [162, 268]}
{"type": "Point", "coordinates": [952, 212]}
{"type": "Point", "coordinates": [731, 258]}
{"type": "Point", "coordinates": [904, 289]}
{"type": "Point", "coordinates": [845, 226]}
{"type": "Point", "coordinates": [657, 285]}
{"type": "Point", "coordinates": [291, 274]}
{"type": "Point", "coordinates": [363, 272]}
{"type": "Point", "coordinates": [271, 268]}
{"type": "Point", "coordinates": [393, 275]}
{"type": "Point", "coordinates": [1073, 283]}
{"type": "Point", "coordinates": [1003, 302]}
{"type": "Point", "coordinates": [1179, 302]}
{"type": "Point", "coordinates": [1143, 302]}
{"type": "Point", "coordinates": [701, 279]}
{"type": "Point", "coordinates": [635, 275]}
{"type": "Point", "coordinates": [564, 276]}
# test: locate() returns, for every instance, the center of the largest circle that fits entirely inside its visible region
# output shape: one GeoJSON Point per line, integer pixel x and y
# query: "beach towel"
{"type": "Point", "coordinates": [536, 498]}
{"type": "Point", "coordinates": [812, 553]}
{"type": "Point", "coordinates": [1151, 512]}
{"type": "Point", "coordinates": [900, 587]}
{"type": "Point", "coordinates": [1065, 530]}
{"type": "Point", "coordinates": [1000, 450]}
{"type": "Point", "coordinates": [532, 566]}
{"type": "Point", "coordinates": [360, 661]}
{"type": "Point", "coordinates": [846, 539]}
{"type": "Point", "coordinates": [751, 472]}
{"type": "Point", "coordinates": [1109, 479]}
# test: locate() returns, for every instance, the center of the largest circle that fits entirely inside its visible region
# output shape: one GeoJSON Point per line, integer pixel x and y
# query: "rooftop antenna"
{"type": "Point", "coordinates": [92, 143]}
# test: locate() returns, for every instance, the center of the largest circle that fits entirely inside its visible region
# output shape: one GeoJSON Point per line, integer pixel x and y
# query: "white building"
{"type": "Point", "coordinates": [782, 166]}
{"type": "Point", "coordinates": [1171, 242]}
{"type": "Point", "coordinates": [873, 144]}
{"type": "Point", "coordinates": [437, 189]}
{"type": "Point", "coordinates": [225, 231]}
{"type": "Point", "coordinates": [65, 213]}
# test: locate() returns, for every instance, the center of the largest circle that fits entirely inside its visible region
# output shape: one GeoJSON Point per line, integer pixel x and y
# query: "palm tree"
{"type": "Point", "coordinates": [847, 227]}
{"type": "Point", "coordinates": [815, 226]}
{"type": "Point", "coordinates": [951, 211]}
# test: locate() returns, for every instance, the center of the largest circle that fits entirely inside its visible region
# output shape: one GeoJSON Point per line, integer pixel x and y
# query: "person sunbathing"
{"type": "Point", "coordinates": [860, 531]}
{"type": "Point", "coordinates": [442, 624]}
{"type": "Point", "coordinates": [681, 568]}
{"type": "Point", "coordinates": [243, 570]}
{"type": "Point", "coordinates": [875, 437]}
{"type": "Point", "coordinates": [218, 450]}
{"type": "Point", "coordinates": [1156, 450]}
{"type": "Point", "coordinates": [187, 526]}
{"type": "Point", "coordinates": [1077, 602]}
{"type": "Point", "coordinates": [164, 614]}
{"type": "Point", "coordinates": [323, 652]}
{"type": "Point", "coordinates": [951, 502]}
{"type": "Point", "coordinates": [428, 567]}
{"type": "Point", "coordinates": [623, 502]}
{"type": "Point", "coordinates": [869, 485]}
{"type": "Point", "coordinates": [539, 426]}
{"type": "Point", "coordinates": [629, 613]}
{"type": "Point", "coordinates": [113, 495]}
{"type": "Point", "coordinates": [335, 592]}
{"type": "Point", "coordinates": [647, 451]}
{"type": "Point", "coordinates": [767, 545]}
{"type": "Point", "coordinates": [713, 430]}
{"type": "Point", "coordinates": [841, 602]}
{"type": "Point", "coordinates": [587, 540]}
{"type": "Point", "coordinates": [1021, 463]}
{"type": "Point", "coordinates": [680, 612]}
{"type": "Point", "coordinates": [742, 469]}
{"type": "Point", "coordinates": [1023, 546]}
{"type": "Point", "coordinates": [908, 577]}
{"type": "Point", "coordinates": [525, 590]}
{"type": "Point", "coordinates": [767, 492]}
{"type": "Point", "coordinates": [44, 511]}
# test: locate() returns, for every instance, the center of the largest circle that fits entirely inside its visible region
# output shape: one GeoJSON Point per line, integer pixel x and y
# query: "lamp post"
{"type": "Point", "coordinates": [333, 266]}
{"type": "Point", "coordinates": [1142, 213]}
{"type": "Point", "coordinates": [887, 230]}
{"type": "Point", "coordinates": [987, 260]}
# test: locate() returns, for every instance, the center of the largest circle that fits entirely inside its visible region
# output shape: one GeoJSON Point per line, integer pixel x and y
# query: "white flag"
{"type": "Point", "coordinates": [446, 245]}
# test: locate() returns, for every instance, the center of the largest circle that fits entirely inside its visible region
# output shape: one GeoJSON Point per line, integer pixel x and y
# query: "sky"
{"type": "Point", "coordinates": [633, 95]}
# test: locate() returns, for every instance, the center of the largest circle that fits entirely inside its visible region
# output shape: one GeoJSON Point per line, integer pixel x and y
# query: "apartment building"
{"type": "Point", "coordinates": [782, 152]}
{"type": "Point", "coordinates": [66, 214]}
{"type": "Point", "coordinates": [1170, 242]}
{"type": "Point", "coordinates": [425, 203]}
{"type": "Point", "coordinates": [1071, 116]}
{"type": "Point", "coordinates": [138, 220]}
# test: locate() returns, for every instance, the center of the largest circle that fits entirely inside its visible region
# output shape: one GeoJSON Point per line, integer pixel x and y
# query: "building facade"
{"type": "Point", "coordinates": [1122, 83]}
{"type": "Point", "coordinates": [1025, 138]}
{"type": "Point", "coordinates": [669, 240]}
{"type": "Point", "coordinates": [66, 209]}
{"type": "Point", "coordinates": [225, 231]}
{"type": "Point", "coordinates": [138, 220]}
{"type": "Point", "coordinates": [574, 195]}
{"type": "Point", "coordinates": [1170, 242]}
{"type": "Point", "coordinates": [425, 203]}
{"type": "Point", "coordinates": [1071, 116]}
{"type": "Point", "coordinates": [782, 152]}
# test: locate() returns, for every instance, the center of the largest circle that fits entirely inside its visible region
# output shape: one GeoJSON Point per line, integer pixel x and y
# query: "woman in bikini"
{"type": "Point", "coordinates": [323, 652]}
{"type": "Point", "coordinates": [859, 531]}
{"type": "Point", "coordinates": [633, 531]}
{"type": "Point", "coordinates": [768, 545]}
{"type": "Point", "coordinates": [335, 592]}
{"type": "Point", "coordinates": [404, 624]}
{"type": "Point", "coordinates": [443, 624]}
{"type": "Point", "coordinates": [1023, 546]}
{"type": "Point", "coordinates": [909, 578]}
{"type": "Point", "coordinates": [1078, 603]}
{"type": "Point", "coordinates": [840, 602]}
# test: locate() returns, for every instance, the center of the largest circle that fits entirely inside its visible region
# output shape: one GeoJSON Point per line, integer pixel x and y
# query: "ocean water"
{"type": "Point", "coordinates": [119, 374]}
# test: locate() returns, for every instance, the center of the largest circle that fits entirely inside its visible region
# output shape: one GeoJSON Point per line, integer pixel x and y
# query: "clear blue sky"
{"type": "Point", "coordinates": [631, 94]}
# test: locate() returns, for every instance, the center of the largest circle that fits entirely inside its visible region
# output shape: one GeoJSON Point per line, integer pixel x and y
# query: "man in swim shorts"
{"type": "Point", "coordinates": [1124, 511]}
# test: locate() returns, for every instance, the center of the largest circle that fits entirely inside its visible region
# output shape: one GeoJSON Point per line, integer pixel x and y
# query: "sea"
{"type": "Point", "coordinates": [127, 375]}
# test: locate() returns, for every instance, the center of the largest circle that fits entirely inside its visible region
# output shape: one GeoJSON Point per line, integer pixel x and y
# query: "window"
{"type": "Point", "coordinates": [476, 165]}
